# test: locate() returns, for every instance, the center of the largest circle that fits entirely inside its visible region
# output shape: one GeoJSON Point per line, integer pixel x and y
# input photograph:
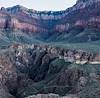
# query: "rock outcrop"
{"type": "Point", "coordinates": [51, 96]}
{"type": "Point", "coordinates": [41, 69]}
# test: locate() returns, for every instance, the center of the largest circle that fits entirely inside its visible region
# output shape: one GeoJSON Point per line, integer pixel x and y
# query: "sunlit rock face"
{"type": "Point", "coordinates": [51, 96]}
{"type": "Point", "coordinates": [11, 22]}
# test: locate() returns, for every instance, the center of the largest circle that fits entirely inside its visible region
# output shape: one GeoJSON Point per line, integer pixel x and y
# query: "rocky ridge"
{"type": "Point", "coordinates": [73, 56]}
{"type": "Point", "coordinates": [55, 25]}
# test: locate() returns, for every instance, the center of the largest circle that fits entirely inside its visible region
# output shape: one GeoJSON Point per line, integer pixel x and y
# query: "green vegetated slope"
{"type": "Point", "coordinates": [88, 46]}
{"type": "Point", "coordinates": [9, 37]}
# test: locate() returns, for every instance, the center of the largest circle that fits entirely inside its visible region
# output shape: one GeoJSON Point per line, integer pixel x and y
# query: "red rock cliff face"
{"type": "Point", "coordinates": [16, 24]}
{"type": "Point", "coordinates": [11, 22]}
{"type": "Point", "coordinates": [81, 14]}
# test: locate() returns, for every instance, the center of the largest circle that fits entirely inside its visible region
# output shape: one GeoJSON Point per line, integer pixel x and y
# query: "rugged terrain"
{"type": "Point", "coordinates": [80, 23]}
{"type": "Point", "coordinates": [50, 54]}
{"type": "Point", "coordinates": [36, 70]}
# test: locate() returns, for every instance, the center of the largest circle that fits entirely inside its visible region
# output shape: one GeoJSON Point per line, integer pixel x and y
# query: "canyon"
{"type": "Point", "coordinates": [64, 25]}
{"type": "Point", "coordinates": [50, 54]}
{"type": "Point", "coordinates": [35, 71]}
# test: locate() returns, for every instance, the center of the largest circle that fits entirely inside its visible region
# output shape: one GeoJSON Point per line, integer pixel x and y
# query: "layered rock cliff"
{"type": "Point", "coordinates": [82, 19]}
